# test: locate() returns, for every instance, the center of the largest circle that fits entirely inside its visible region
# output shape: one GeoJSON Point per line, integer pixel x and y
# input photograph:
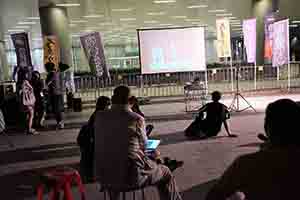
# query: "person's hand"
{"type": "Point", "coordinates": [237, 196]}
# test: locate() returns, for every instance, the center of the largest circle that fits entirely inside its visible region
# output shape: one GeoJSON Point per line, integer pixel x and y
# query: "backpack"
{"type": "Point", "coordinates": [2, 122]}
{"type": "Point", "coordinates": [85, 138]}
{"type": "Point", "coordinates": [28, 98]}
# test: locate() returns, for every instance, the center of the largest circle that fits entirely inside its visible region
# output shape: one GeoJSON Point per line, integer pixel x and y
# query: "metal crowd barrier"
{"type": "Point", "coordinates": [172, 85]}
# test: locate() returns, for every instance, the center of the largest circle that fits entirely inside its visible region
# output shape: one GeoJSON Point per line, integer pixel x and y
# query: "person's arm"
{"type": "Point", "coordinates": [226, 127]}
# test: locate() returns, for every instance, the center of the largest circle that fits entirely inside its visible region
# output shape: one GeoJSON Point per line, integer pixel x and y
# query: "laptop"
{"type": "Point", "coordinates": [152, 145]}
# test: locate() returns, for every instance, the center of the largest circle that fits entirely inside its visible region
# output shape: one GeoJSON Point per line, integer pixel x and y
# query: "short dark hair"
{"type": "Point", "coordinates": [121, 95]}
{"type": "Point", "coordinates": [281, 122]}
{"type": "Point", "coordinates": [102, 103]}
{"type": "Point", "coordinates": [216, 96]}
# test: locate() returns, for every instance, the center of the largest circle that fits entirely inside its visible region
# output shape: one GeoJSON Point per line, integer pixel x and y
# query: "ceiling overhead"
{"type": "Point", "coordinates": [118, 20]}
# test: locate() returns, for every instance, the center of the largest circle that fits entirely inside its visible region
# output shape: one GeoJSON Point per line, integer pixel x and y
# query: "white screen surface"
{"type": "Point", "coordinates": [172, 50]}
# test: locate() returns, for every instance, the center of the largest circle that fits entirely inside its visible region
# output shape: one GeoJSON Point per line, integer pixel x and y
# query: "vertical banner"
{"type": "Point", "coordinates": [223, 38]}
{"type": "Point", "coordinates": [94, 51]}
{"type": "Point", "coordinates": [249, 31]}
{"type": "Point", "coordinates": [269, 20]}
{"type": "Point", "coordinates": [51, 50]}
{"type": "Point", "coordinates": [21, 44]}
{"type": "Point", "coordinates": [281, 43]}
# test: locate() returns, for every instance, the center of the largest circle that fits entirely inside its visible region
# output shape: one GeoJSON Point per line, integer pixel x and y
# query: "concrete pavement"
{"type": "Point", "coordinates": [204, 160]}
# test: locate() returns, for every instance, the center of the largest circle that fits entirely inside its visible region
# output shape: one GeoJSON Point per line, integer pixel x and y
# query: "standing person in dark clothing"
{"type": "Point", "coordinates": [210, 125]}
{"type": "Point", "coordinates": [38, 87]}
{"type": "Point", "coordinates": [86, 141]}
{"type": "Point", "coordinates": [135, 107]}
{"type": "Point", "coordinates": [55, 95]}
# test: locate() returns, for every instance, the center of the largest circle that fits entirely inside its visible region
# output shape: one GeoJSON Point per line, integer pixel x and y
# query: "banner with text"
{"type": "Point", "coordinates": [223, 38]}
{"type": "Point", "coordinates": [249, 31]}
{"type": "Point", "coordinates": [51, 50]}
{"type": "Point", "coordinates": [94, 51]}
{"type": "Point", "coordinates": [281, 43]}
{"type": "Point", "coordinates": [21, 44]}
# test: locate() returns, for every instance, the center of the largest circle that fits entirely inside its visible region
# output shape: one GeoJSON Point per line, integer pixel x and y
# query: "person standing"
{"type": "Point", "coordinates": [55, 95]}
{"type": "Point", "coordinates": [39, 109]}
{"type": "Point", "coordinates": [28, 102]}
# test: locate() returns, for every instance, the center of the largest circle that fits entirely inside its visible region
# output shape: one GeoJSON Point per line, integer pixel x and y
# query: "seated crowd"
{"type": "Point", "coordinates": [124, 163]}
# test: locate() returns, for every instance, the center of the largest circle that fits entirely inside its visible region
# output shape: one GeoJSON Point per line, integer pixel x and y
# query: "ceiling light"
{"type": "Point", "coordinates": [156, 13]}
{"type": "Point", "coordinates": [150, 22]}
{"type": "Point", "coordinates": [164, 1]}
{"type": "Point", "coordinates": [296, 22]}
{"type": "Point", "coordinates": [166, 25]}
{"type": "Point", "coordinates": [122, 9]}
{"type": "Point", "coordinates": [33, 18]}
{"type": "Point", "coordinates": [198, 6]}
{"type": "Point", "coordinates": [68, 4]}
{"type": "Point", "coordinates": [26, 23]}
{"type": "Point", "coordinates": [22, 27]}
{"type": "Point", "coordinates": [15, 30]}
{"type": "Point", "coordinates": [293, 25]}
{"type": "Point", "coordinates": [231, 18]}
{"type": "Point", "coordinates": [236, 25]}
{"type": "Point", "coordinates": [78, 21]}
{"type": "Point", "coordinates": [127, 19]}
{"type": "Point", "coordinates": [179, 17]}
{"type": "Point", "coordinates": [223, 14]}
{"type": "Point", "coordinates": [37, 39]}
{"type": "Point", "coordinates": [192, 20]}
{"type": "Point", "coordinates": [106, 24]}
{"type": "Point", "coordinates": [93, 16]}
{"type": "Point", "coordinates": [217, 11]}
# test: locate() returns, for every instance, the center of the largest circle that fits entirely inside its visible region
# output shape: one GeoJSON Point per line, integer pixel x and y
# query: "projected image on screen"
{"type": "Point", "coordinates": [172, 50]}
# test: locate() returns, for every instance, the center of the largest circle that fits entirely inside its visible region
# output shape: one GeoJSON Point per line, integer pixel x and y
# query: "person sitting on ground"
{"type": "Point", "coordinates": [86, 141]}
{"type": "Point", "coordinates": [135, 107]}
{"type": "Point", "coordinates": [215, 114]}
{"type": "Point", "coordinates": [272, 172]}
{"type": "Point", "coordinates": [120, 145]}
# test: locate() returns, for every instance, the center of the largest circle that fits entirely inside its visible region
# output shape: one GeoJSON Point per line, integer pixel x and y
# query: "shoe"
{"type": "Point", "coordinates": [263, 137]}
{"type": "Point", "coordinates": [60, 126]}
{"type": "Point", "coordinates": [32, 132]}
{"type": "Point", "coordinates": [173, 164]}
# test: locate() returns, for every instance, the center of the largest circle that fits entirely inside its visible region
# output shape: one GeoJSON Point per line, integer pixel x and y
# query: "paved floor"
{"type": "Point", "coordinates": [205, 160]}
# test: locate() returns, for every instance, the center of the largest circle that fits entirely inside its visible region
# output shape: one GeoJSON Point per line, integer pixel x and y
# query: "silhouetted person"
{"type": "Point", "coordinates": [135, 107]}
{"type": "Point", "coordinates": [39, 109]}
{"type": "Point", "coordinates": [55, 96]}
{"type": "Point", "coordinates": [272, 172]}
{"type": "Point", "coordinates": [86, 141]}
{"type": "Point", "coordinates": [210, 119]}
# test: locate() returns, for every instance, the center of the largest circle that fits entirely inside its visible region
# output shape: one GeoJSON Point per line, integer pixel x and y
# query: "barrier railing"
{"type": "Point", "coordinates": [170, 85]}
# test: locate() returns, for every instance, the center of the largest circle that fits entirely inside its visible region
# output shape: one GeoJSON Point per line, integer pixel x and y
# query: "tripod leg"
{"type": "Point", "coordinates": [233, 106]}
{"type": "Point", "coordinates": [250, 106]}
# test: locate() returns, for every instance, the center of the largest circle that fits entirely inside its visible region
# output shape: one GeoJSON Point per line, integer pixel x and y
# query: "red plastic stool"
{"type": "Point", "coordinates": [60, 180]}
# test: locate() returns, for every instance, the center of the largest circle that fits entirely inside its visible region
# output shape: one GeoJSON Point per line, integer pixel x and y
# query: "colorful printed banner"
{"type": "Point", "coordinates": [223, 37]}
{"type": "Point", "coordinates": [21, 44]}
{"type": "Point", "coordinates": [269, 20]}
{"type": "Point", "coordinates": [281, 43]}
{"type": "Point", "coordinates": [94, 51]}
{"type": "Point", "coordinates": [51, 50]}
{"type": "Point", "coordinates": [249, 31]}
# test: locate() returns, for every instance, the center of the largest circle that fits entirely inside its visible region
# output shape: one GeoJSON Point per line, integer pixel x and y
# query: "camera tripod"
{"type": "Point", "coordinates": [238, 97]}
